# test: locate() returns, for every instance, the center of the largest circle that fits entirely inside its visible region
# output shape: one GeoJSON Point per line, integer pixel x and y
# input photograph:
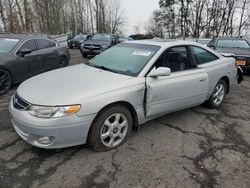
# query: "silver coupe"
{"type": "Point", "coordinates": [99, 103]}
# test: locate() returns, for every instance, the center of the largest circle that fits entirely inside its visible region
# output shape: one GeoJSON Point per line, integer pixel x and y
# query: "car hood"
{"type": "Point", "coordinates": [235, 51]}
{"type": "Point", "coordinates": [69, 85]}
{"type": "Point", "coordinates": [95, 42]}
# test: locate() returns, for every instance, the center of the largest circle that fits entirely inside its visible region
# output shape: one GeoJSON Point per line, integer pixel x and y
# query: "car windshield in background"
{"type": "Point", "coordinates": [101, 37]}
{"type": "Point", "coordinates": [7, 44]}
{"type": "Point", "coordinates": [232, 44]}
{"type": "Point", "coordinates": [80, 37]}
{"type": "Point", "coordinates": [203, 41]}
{"type": "Point", "coordinates": [128, 59]}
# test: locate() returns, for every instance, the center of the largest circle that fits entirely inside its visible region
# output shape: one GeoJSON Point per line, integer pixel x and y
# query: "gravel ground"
{"type": "Point", "coordinates": [198, 147]}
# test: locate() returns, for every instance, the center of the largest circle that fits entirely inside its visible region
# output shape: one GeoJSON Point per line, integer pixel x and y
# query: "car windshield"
{"type": "Point", "coordinates": [80, 37]}
{"type": "Point", "coordinates": [232, 44]}
{"type": "Point", "coordinates": [204, 41]}
{"type": "Point", "coordinates": [102, 37]}
{"type": "Point", "coordinates": [127, 59]}
{"type": "Point", "coordinates": [7, 44]}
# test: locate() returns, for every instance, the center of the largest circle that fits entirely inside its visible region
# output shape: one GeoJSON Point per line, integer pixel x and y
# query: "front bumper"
{"type": "Point", "coordinates": [91, 51]}
{"type": "Point", "coordinates": [64, 132]}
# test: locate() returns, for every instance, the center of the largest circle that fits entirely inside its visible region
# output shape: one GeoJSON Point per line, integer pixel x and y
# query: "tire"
{"type": "Point", "coordinates": [70, 47]}
{"type": "Point", "coordinates": [63, 62]}
{"type": "Point", "coordinates": [85, 55]}
{"type": "Point", "coordinates": [5, 81]}
{"type": "Point", "coordinates": [112, 124]}
{"type": "Point", "coordinates": [218, 96]}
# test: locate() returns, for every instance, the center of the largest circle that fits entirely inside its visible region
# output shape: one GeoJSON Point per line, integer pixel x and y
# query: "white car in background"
{"type": "Point", "coordinates": [129, 84]}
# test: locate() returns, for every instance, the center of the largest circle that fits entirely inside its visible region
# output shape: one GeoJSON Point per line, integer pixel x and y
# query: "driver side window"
{"type": "Point", "coordinates": [176, 58]}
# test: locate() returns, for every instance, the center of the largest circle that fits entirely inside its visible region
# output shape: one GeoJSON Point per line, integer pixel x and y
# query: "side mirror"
{"type": "Point", "coordinates": [211, 46]}
{"type": "Point", "coordinates": [161, 71]}
{"type": "Point", "coordinates": [25, 51]}
{"type": "Point", "coordinates": [114, 41]}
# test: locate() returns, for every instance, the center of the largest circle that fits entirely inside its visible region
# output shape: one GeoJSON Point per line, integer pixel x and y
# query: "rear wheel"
{"type": "Point", "coordinates": [5, 81]}
{"type": "Point", "coordinates": [218, 95]}
{"type": "Point", "coordinates": [63, 62]}
{"type": "Point", "coordinates": [110, 129]}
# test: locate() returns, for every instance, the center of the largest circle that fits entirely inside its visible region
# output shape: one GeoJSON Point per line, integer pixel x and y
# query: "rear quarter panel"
{"type": "Point", "coordinates": [219, 69]}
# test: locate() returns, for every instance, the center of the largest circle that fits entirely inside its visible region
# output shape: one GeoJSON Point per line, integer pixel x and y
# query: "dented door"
{"type": "Point", "coordinates": [178, 91]}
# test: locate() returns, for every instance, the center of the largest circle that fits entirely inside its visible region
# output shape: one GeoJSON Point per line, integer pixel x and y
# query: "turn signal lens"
{"type": "Point", "coordinates": [72, 109]}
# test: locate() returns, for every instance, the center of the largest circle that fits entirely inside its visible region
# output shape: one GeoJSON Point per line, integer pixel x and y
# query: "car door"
{"type": "Point", "coordinates": [187, 86]}
{"type": "Point", "coordinates": [31, 63]}
{"type": "Point", "coordinates": [48, 52]}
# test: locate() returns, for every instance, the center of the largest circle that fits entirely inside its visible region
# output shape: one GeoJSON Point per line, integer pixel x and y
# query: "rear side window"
{"type": "Point", "coordinates": [203, 56]}
{"type": "Point", "coordinates": [43, 44]}
{"type": "Point", "coordinates": [30, 44]}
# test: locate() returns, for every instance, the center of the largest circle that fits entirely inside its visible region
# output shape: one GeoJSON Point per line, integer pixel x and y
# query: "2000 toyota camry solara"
{"type": "Point", "coordinates": [99, 103]}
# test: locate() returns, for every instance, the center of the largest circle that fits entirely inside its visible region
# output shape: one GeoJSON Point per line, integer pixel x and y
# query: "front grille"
{"type": "Point", "coordinates": [94, 47]}
{"type": "Point", "coordinates": [20, 103]}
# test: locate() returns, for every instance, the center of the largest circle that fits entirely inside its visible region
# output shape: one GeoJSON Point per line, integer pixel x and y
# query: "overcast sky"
{"type": "Point", "coordinates": [137, 12]}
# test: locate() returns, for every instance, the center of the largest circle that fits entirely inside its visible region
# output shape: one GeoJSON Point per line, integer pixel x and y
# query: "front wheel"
{"type": "Point", "coordinates": [218, 95]}
{"type": "Point", "coordinates": [5, 81]}
{"type": "Point", "coordinates": [110, 129]}
{"type": "Point", "coordinates": [84, 55]}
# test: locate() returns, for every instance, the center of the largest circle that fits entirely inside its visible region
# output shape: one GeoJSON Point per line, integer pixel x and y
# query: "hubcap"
{"type": "Point", "coordinates": [114, 130]}
{"type": "Point", "coordinates": [4, 82]}
{"type": "Point", "coordinates": [219, 94]}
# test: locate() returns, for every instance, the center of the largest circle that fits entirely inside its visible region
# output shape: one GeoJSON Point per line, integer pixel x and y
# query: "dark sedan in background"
{"type": "Point", "coordinates": [98, 43]}
{"type": "Point", "coordinates": [237, 46]}
{"type": "Point", "coordinates": [23, 56]}
{"type": "Point", "coordinates": [76, 41]}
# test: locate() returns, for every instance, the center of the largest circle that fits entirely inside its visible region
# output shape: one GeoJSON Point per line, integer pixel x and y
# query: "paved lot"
{"type": "Point", "coordinates": [193, 148]}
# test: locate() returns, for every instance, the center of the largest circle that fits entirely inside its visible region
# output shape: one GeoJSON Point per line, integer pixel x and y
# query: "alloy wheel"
{"type": "Point", "coordinates": [219, 94]}
{"type": "Point", "coordinates": [114, 130]}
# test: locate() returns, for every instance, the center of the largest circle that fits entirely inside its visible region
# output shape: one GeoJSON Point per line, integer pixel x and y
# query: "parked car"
{"type": "Point", "coordinates": [77, 40]}
{"type": "Point", "coordinates": [23, 56]}
{"type": "Point", "coordinates": [124, 39]}
{"type": "Point", "coordinates": [237, 46]}
{"type": "Point", "coordinates": [127, 85]}
{"type": "Point", "coordinates": [204, 41]}
{"type": "Point", "coordinates": [98, 43]}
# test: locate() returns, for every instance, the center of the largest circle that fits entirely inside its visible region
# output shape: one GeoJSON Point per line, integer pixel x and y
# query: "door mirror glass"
{"type": "Point", "coordinates": [25, 51]}
{"type": "Point", "coordinates": [161, 71]}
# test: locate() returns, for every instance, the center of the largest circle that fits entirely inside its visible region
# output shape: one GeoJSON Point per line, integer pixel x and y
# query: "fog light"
{"type": "Point", "coordinates": [46, 140]}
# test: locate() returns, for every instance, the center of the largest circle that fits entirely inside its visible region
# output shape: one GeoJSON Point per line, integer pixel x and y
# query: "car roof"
{"type": "Point", "coordinates": [231, 38]}
{"type": "Point", "coordinates": [164, 43]}
{"type": "Point", "coordinates": [22, 36]}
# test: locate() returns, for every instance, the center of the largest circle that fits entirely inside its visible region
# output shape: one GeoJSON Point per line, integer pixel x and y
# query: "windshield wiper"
{"type": "Point", "coordinates": [101, 67]}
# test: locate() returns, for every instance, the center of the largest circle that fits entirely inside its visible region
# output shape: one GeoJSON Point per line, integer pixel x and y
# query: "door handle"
{"type": "Point", "coordinates": [203, 80]}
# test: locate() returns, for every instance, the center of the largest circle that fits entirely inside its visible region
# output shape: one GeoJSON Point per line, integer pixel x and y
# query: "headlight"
{"type": "Point", "coordinates": [81, 41]}
{"type": "Point", "coordinates": [53, 112]}
{"type": "Point", "coordinates": [105, 46]}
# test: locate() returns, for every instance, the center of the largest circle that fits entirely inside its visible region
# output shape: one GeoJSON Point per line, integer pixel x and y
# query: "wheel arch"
{"type": "Point", "coordinates": [127, 105]}
{"type": "Point", "coordinates": [227, 80]}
